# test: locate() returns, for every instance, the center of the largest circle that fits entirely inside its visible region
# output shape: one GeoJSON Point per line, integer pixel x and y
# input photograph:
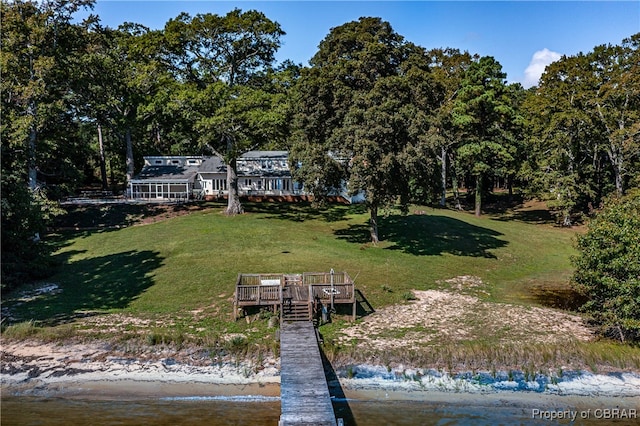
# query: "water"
{"type": "Point", "coordinates": [253, 411]}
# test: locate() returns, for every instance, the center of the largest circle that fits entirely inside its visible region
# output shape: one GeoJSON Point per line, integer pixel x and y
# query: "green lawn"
{"type": "Point", "coordinates": [172, 280]}
{"type": "Point", "coordinates": [191, 262]}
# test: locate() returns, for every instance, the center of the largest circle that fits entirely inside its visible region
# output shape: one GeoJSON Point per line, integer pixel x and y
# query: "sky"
{"type": "Point", "coordinates": [524, 36]}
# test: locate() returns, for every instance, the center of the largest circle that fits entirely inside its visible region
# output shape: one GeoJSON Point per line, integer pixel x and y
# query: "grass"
{"type": "Point", "coordinates": [178, 274]}
{"type": "Point", "coordinates": [479, 355]}
{"type": "Point", "coordinates": [192, 261]}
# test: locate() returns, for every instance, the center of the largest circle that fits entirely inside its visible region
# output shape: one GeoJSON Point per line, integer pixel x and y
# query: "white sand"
{"type": "Point", "coordinates": [86, 370]}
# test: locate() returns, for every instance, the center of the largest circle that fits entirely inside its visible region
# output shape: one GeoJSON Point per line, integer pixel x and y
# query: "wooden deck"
{"type": "Point", "coordinates": [304, 393]}
{"type": "Point", "coordinates": [309, 291]}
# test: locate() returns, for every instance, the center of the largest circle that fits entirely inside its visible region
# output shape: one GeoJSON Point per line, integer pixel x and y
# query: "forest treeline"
{"type": "Point", "coordinates": [83, 102]}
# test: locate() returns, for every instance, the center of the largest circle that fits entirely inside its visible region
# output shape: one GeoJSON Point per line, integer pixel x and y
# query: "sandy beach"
{"type": "Point", "coordinates": [93, 370]}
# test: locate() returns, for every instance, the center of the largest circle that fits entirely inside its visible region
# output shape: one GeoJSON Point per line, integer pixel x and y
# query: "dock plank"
{"type": "Point", "coordinates": [304, 393]}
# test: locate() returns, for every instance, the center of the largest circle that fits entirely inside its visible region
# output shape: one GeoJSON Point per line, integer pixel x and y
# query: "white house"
{"type": "Point", "coordinates": [180, 178]}
{"type": "Point", "coordinates": [184, 177]}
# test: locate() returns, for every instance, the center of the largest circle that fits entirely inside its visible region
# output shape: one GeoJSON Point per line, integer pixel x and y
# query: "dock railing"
{"type": "Point", "coordinates": [267, 289]}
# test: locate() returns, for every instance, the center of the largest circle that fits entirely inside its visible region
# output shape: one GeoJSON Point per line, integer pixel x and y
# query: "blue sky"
{"type": "Point", "coordinates": [523, 36]}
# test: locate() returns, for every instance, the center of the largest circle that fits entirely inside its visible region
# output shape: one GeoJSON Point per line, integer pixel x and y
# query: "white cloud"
{"type": "Point", "coordinates": [536, 67]}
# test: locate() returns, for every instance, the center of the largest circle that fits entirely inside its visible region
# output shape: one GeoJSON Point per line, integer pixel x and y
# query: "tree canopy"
{"type": "Point", "coordinates": [360, 115]}
{"type": "Point", "coordinates": [372, 114]}
{"type": "Point", "coordinates": [221, 55]}
{"type": "Point", "coordinates": [608, 267]}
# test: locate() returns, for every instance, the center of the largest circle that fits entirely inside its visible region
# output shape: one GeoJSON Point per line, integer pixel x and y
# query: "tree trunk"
{"type": "Point", "coordinates": [617, 172]}
{"type": "Point", "coordinates": [112, 174]}
{"type": "Point", "coordinates": [129, 161]}
{"type": "Point", "coordinates": [616, 160]}
{"type": "Point", "coordinates": [33, 173]}
{"type": "Point", "coordinates": [373, 209]}
{"type": "Point", "coordinates": [454, 184]}
{"type": "Point", "coordinates": [443, 176]}
{"type": "Point", "coordinates": [510, 188]}
{"type": "Point", "coordinates": [234, 206]}
{"type": "Point", "coordinates": [103, 163]}
{"type": "Point", "coordinates": [478, 195]}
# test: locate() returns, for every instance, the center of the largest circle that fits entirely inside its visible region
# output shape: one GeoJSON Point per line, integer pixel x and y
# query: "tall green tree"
{"type": "Point", "coordinates": [608, 267]}
{"type": "Point", "coordinates": [39, 56]}
{"type": "Point", "coordinates": [448, 67]}
{"type": "Point", "coordinates": [40, 47]}
{"type": "Point", "coordinates": [359, 116]}
{"type": "Point", "coordinates": [219, 55]}
{"type": "Point", "coordinates": [484, 112]}
{"type": "Point", "coordinates": [563, 146]}
{"type": "Point", "coordinates": [616, 104]}
{"type": "Point", "coordinates": [123, 75]}
{"type": "Point", "coordinates": [585, 128]}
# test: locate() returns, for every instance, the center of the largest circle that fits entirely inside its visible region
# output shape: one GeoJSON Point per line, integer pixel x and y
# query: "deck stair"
{"type": "Point", "coordinates": [296, 312]}
{"type": "Point", "coordinates": [297, 297]}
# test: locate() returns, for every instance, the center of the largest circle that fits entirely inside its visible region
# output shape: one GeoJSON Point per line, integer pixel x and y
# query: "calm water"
{"type": "Point", "coordinates": [255, 411]}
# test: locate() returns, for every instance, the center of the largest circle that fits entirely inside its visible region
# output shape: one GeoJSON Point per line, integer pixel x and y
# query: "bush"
{"type": "Point", "coordinates": [25, 214]}
{"type": "Point", "coordinates": [20, 330]}
{"type": "Point", "coordinates": [608, 267]}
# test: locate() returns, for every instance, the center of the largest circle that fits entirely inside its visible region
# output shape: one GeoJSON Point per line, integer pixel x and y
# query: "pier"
{"type": "Point", "coordinates": [300, 300]}
{"type": "Point", "coordinates": [295, 297]}
{"type": "Point", "coordinates": [304, 393]}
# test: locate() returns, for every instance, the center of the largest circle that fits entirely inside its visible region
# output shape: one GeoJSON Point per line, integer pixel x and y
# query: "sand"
{"type": "Point", "coordinates": [90, 371]}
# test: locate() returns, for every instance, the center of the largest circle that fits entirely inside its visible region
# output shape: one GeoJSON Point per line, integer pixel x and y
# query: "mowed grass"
{"type": "Point", "coordinates": [172, 281]}
{"type": "Point", "coordinates": [191, 262]}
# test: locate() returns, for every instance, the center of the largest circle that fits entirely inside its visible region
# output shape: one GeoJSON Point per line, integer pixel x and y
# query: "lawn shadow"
{"type": "Point", "coordinates": [428, 235]}
{"type": "Point", "coordinates": [339, 400]}
{"type": "Point", "coordinates": [91, 217]}
{"type": "Point", "coordinates": [534, 216]}
{"type": "Point", "coordinates": [90, 286]}
{"type": "Point", "coordinates": [301, 211]}
{"type": "Point", "coordinates": [363, 307]}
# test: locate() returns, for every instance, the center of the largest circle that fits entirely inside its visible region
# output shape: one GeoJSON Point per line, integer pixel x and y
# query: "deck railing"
{"type": "Point", "coordinates": [258, 294]}
{"type": "Point", "coordinates": [338, 293]}
{"type": "Point", "coordinates": [269, 289]}
{"type": "Point", "coordinates": [326, 278]}
{"type": "Point", "coordinates": [260, 279]}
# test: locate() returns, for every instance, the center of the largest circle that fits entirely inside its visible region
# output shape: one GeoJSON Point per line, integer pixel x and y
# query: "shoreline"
{"type": "Point", "coordinates": [39, 369]}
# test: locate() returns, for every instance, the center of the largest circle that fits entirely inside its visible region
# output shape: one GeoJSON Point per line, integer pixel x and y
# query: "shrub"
{"type": "Point", "coordinates": [608, 267]}
{"type": "Point", "coordinates": [20, 330]}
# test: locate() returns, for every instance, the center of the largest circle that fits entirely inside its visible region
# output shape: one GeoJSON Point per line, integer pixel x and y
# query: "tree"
{"type": "Point", "coordinates": [448, 67]}
{"type": "Point", "coordinates": [585, 128]}
{"type": "Point", "coordinates": [219, 55]}
{"type": "Point", "coordinates": [40, 50]}
{"type": "Point", "coordinates": [39, 46]}
{"type": "Point", "coordinates": [484, 112]}
{"type": "Point", "coordinates": [608, 267]}
{"type": "Point", "coordinates": [616, 103]}
{"type": "Point", "coordinates": [359, 119]}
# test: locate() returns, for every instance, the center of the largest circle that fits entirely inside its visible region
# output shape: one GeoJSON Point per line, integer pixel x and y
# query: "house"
{"type": "Point", "coordinates": [166, 178]}
{"type": "Point", "coordinates": [181, 178]}
{"type": "Point", "coordinates": [175, 178]}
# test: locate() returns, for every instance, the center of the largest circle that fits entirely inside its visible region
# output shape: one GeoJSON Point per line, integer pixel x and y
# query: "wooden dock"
{"type": "Point", "coordinates": [296, 297]}
{"type": "Point", "coordinates": [304, 393]}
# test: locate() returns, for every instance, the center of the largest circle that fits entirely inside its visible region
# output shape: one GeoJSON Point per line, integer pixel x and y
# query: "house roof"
{"type": "Point", "coordinates": [212, 165]}
{"type": "Point", "coordinates": [265, 154]}
{"type": "Point", "coordinates": [167, 173]}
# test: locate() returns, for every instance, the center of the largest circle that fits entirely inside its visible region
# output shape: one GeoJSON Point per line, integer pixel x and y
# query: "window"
{"type": "Point", "coordinates": [158, 161]}
{"type": "Point", "coordinates": [175, 162]}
